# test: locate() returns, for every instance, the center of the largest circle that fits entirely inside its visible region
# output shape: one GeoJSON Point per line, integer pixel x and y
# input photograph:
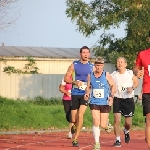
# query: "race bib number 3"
{"type": "Point", "coordinates": [98, 93]}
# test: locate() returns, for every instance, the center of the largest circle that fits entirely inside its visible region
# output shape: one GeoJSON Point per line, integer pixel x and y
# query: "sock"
{"type": "Point", "coordinates": [69, 132]}
{"type": "Point", "coordinates": [118, 138]}
{"type": "Point", "coordinates": [96, 133]}
{"type": "Point", "coordinates": [126, 131]}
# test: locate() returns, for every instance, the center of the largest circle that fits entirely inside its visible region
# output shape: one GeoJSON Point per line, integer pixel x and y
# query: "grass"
{"type": "Point", "coordinates": [44, 114]}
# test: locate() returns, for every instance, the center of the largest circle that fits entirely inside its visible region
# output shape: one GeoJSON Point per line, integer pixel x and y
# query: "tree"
{"type": "Point", "coordinates": [30, 67]}
{"type": "Point", "coordinates": [7, 16]}
{"type": "Point", "coordinates": [104, 14]}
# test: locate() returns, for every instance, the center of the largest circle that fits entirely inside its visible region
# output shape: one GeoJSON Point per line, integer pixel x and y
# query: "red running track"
{"type": "Point", "coordinates": [58, 141]}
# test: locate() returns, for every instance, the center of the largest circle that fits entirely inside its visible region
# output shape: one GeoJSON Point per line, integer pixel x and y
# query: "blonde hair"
{"type": "Point", "coordinates": [99, 59]}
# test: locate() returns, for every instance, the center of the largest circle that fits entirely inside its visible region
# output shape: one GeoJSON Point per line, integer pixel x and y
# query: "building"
{"type": "Point", "coordinates": [51, 62]}
{"type": "Point", "coordinates": [48, 60]}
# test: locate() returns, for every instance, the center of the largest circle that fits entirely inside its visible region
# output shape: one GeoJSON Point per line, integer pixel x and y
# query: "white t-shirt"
{"type": "Point", "coordinates": [123, 81]}
{"type": "Point", "coordinates": [63, 82]}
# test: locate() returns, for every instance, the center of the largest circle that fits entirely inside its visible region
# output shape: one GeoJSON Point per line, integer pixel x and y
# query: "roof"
{"type": "Point", "coordinates": [43, 52]}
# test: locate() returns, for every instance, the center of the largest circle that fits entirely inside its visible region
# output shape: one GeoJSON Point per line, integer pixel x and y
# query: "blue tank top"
{"type": "Point", "coordinates": [81, 72]}
{"type": "Point", "coordinates": [100, 89]}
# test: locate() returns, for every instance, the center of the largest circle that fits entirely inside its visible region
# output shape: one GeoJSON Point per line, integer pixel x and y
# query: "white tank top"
{"type": "Point", "coordinates": [123, 81]}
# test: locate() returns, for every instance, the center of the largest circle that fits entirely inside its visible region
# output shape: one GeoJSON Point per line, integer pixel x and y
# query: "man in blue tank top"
{"type": "Point", "coordinates": [100, 89]}
{"type": "Point", "coordinates": [79, 70]}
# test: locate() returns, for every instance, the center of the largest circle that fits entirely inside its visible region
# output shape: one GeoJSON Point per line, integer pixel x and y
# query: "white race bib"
{"type": "Point", "coordinates": [98, 93]}
{"type": "Point", "coordinates": [123, 87]}
{"type": "Point", "coordinates": [83, 86]}
{"type": "Point", "coordinates": [69, 92]}
{"type": "Point", "coordinates": [149, 69]}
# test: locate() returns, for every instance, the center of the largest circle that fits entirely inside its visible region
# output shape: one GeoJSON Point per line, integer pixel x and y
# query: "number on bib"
{"type": "Point", "coordinates": [98, 93]}
{"type": "Point", "coordinates": [83, 86]}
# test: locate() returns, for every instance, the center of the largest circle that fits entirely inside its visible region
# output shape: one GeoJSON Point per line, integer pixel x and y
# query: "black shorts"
{"type": "Point", "coordinates": [124, 106]}
{"type": "Point", "coordinates": [146, 103]}
{"type": "Point", "coordinates": [78, 100]}
{"type": "Point", "coordinates": [102, 108]}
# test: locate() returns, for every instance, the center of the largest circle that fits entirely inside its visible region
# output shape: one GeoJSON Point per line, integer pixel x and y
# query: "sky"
{"type": "Point", "coordinates": [43, 23]}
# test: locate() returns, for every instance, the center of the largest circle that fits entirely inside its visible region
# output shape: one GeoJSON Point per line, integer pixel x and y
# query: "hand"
{"type": "Point", "coordinates": [78, 83]}
{"type": "Point", "coordinates": [129, 90]}
{"type": "Point", "coordinates": [68, 94]}
{"type": "Point", "coordinates": [140, 73]}
{"type": "Point", "coordinates": [140, 96]}
{"type": "Point", "coordinates": [86, 97]}
{"type": "Point", "coordinates": [110, 101]}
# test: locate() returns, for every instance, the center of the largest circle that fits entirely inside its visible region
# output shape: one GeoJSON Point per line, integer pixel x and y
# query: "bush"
{"type": "Point", "coordinates": [45, 102]}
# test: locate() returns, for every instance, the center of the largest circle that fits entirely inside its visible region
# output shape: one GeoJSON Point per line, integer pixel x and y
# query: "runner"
{"type": "Point", "coordinates": [123, 103]}
{"type": "Point", "coordinates": [80, 70]}
{"type": "Point", "coordinates": [103, 88]}
{"type": "Point", "coordinates": [143, 60]}
{"type": "Point", "coordinates": [66, 90]}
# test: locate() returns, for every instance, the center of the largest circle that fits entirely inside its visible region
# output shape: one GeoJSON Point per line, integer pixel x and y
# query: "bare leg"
{"type": "Point", "coordinates": [128, 123]}
{"type": "Point", "coordinates": [95, 128]}
{"type": "Point", "coordinates": [117, 119]}
{"type": "Point", "coordinates": [70, 125]}
{"type": "Point", "coordinates": [80, 120]}
{"type": "Point", "coordinates": [104, 120]}
{"type": "Point", "coordinates": [148, 129]}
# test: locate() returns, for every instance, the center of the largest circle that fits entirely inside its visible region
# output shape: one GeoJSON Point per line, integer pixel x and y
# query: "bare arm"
{"type": "Point", "coordinates": [87, 90]}
{"type": "Point", "coordinates": [62, 89]}
{"type": "Point", "coordinates": [111, 83]}
{"type": "Point", "coordinates": [112, 88]}
{"type": "Point", "coordinates": [137, 70]}
{"type": "Point", "coordinates": [69, 74]}
{"type": "Point", "coordinates": [140, 95]}
{"type": "Point", "coordinates": [135, 82]}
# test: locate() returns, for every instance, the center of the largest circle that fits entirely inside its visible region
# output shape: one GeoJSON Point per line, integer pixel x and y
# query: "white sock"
{"type": "Point", "coordinates": [69, 132]}
{"type": "Point", "coordinates": [118, 138]}
{"type": "Point", "coordinates": [126, 131]}
{"type": "Point", "coordinates": [96, 133]}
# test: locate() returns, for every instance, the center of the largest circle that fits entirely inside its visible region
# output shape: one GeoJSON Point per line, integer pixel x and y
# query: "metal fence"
{"type": "Point", "coordinates": [19, 86]}
{"type": "Point", "coordinates": [23, 86]}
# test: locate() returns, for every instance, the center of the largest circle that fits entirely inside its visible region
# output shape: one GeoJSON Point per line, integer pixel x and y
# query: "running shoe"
{"type": "Point", "coordinates": [73, 129]}
{"type": "Point", "coordinates": [109, 128]}
{"type": "Point", "coordinates": [97, 146]}
{"type": "Point", "coordinates": [69, 136]}
{"type": "Point", "coordinates": [117, 144]}
{"type": "Point", "coordinates": [75, 143]}
{"type": "Point", "coordinates": [127, 137]}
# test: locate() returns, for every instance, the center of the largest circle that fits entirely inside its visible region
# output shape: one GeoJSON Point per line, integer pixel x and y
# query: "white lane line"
{"type": "Point", "coordinates": [106, 142]}
{"type": "Point", "coordinates": [18, 146]}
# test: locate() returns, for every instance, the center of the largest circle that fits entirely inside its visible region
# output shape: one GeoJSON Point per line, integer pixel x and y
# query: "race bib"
{"type": "Point", "coordinates": [83, 86]}
{"type": "Point", "coordinates": [149, 69]}
{"type": "Point", "coordinates": [123, 87]}
{"type": "Point", "coordinates": [69, 92]}
{"type": "Point", "coordinates": [98, 93]}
